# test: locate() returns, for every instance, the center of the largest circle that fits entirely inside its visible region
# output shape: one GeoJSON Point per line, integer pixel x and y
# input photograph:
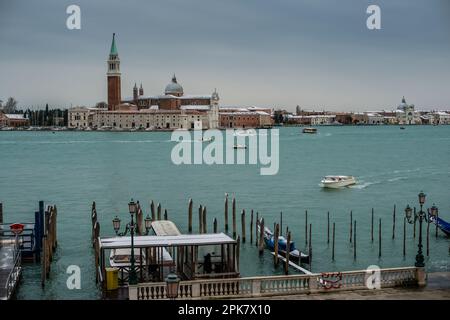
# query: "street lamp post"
{"type": "Point", "coordinates": [132, 208]}
{"type": "Point", "coordinates": [420, 260]}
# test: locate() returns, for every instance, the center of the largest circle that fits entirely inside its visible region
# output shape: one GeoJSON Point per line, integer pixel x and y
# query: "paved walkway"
{"type": "Point", "coordinates": [438, 288]}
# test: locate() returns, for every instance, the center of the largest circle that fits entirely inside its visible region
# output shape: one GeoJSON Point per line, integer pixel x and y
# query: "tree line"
{"type": "Point", "coordinates": [39, 118]}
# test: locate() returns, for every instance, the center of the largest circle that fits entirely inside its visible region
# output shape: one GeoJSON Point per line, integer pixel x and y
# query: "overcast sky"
{"type": "Point", "coordinates": [276, 53]}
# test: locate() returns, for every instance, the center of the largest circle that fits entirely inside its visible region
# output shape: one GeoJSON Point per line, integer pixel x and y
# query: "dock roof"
{"type": "Point", "coordinates": [166, 241]}
{"type": "Point", "coordinates": [165, 228]}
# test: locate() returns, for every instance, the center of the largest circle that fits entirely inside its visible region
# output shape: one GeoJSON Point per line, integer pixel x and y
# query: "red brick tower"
{"type": "Point", "coordinates": [114, 96]}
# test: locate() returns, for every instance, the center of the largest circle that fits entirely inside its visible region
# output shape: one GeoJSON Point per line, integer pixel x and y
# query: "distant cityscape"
{"type": "Point", "coordinates": [176, 110]}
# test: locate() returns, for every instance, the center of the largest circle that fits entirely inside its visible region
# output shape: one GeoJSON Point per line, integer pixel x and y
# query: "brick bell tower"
{"type": "Point", "coordinates": [114, 96]}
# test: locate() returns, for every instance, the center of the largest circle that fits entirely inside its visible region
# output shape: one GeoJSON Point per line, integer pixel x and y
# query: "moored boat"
{"type": "Point", "coordinates": [295, 255]}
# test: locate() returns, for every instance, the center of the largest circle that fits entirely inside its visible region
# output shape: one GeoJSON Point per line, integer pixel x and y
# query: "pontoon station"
{"type": "Point", "coordinates": [164, 251]}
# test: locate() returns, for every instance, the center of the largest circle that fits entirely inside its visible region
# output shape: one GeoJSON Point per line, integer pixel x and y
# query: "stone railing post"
{"type": "Point", "coordinates": [421, 276]}
{"type": "Point", "coordinates": [132, 292]}
{"type": "Point", "coordinates": [195, 290]}
{"type": "Point", "coordinates": [256, 287]}
{"type": "Point", "coordinates": [312, 284]}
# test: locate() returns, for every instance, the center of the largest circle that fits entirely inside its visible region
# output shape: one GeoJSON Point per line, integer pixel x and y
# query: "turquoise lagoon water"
{"type": "Point", "coordinates": [72, 169]}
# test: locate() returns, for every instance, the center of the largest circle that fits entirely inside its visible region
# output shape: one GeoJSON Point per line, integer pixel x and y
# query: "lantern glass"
{"type": "Point", "coordinates": [132, 207]}
{"type": "Point", "coordinates": [148, 222]}
{"type": "Point", "coordinates": [116, 224]}
{"type": "Point", "coordinates": [434, 210]}
{"type": "Point", "coordinates": [408, 212]}
{"type": "Point", "coordinates": [172, 282]}
{"type": "Point", "coordinates": [422, 197]}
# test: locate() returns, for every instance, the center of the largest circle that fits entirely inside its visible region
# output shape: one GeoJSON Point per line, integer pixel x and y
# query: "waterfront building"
{"type": "Point", "coordinates": [251, 117]}
{"type": "Point", "coordinates": [439, 117]}
{"type": "Point", "coordinates": [374, 118]}
{"type": "Point", "coordinates": [13, 120]}
{"type": "Point", "coordinates": [406, 114]}
{"type": "Point", "coordinates": [344, 117]}
{"type": "Point", "coordinates": [313, 120]}
{"type": "Point", "coordinates": [171, 110]}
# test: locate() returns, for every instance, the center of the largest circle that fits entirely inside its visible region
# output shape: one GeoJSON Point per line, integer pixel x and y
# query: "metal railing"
{"type": "Point", "coordinates": [275, 285]}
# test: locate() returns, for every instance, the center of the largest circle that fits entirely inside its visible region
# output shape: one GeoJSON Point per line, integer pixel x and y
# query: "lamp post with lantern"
{"type": "Point", "coordinates": [421, 216]}
{"type": "Point", "coordinates": [132, 208]}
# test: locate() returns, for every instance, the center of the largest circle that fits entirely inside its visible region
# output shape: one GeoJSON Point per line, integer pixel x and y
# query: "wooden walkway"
{"type": "Point", "coordinates": [10, 270]}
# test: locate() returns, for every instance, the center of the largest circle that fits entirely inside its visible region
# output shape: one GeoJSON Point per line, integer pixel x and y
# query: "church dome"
{"type": "Point", "coordinates": [402, 105]}
{"type": "Point", "coordinates": [174, 87]}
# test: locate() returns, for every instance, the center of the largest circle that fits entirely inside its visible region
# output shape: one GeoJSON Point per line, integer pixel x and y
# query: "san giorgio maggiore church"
{"type": "Point", "coordinates": [172, 110]}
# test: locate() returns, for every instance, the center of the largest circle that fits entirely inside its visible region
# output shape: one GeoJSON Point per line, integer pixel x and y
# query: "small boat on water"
{"type": "Point", "coordinates": [402, 128]}
{"type": "Point", "coordinates": [239, 146]}
{"type": "Point", "coordinates": [294, 254]}
{"type": "Point", "coordinates": [206, 140]}
{"type": "Point", "coordinates": [309, 130]}
{"type": "Point", "coordinates": [443, 225]}
{"type": "Point", "coordinates": [337, 181]}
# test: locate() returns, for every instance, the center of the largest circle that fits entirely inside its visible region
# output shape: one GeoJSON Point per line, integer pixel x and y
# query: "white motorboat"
{"type": "Point", "coordinates": [337, 181]}
{"type": "Point", "coordinates": [239, 146]}
{"type": "Point", "coordinates": [310, 130]}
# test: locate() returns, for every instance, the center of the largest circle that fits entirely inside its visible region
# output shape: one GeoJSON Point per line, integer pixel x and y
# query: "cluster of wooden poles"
{"type": "Point", "coordinates": [352, 232]}
{"type": "Point", "coordinates": [49, 242]}
{"type": "Point", "coordinates": [278, 228]}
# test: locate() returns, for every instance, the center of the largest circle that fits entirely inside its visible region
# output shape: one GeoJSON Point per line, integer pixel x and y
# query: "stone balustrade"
{"type": "Point", "coordinates": [280, 285]}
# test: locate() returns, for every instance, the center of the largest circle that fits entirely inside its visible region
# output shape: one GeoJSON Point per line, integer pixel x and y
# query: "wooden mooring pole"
{"type": "Point", "coordinates": [251, 226]}
{"type": "Point", "coordinates": [159, 211]}
{"type": "Point", "coordinates": [288, 244]}
{"type": "Point", "coordinates": [204, 224]}
{"type": "Point", "coordinates": [351, 225]}
{"type": "Point", "coordinates": [306, 227]}
{"type": "Point", "coordinates": [437, 216]}
{"type": "Point", "coordinates": [256, 228]}
{"type": "Point", "coordinates": [226, 212]}
{"type": "Point", "coordinates": [332, 250]}
{"type": "Point", "coordinates": [243, 225]}
{"type": "Point", "coordinates": [215, 225]}
{"type": "Point", "coordinates": [234, 217]}
{"type": "Point", "coordinates": [354, 240]}
{"type": "Point", "coordinates": [200, 219]}
{"type": "Point", "coordinates": [165, 214]}
{"type": "Point", "coordinates": [428, 234]}
{"type": "Point", "coordinates": [281, 223]}
{"type": "Point", "coordinates": [261, 237]}
{"type": "Point", "coordinates": [414, 223]}
{"type": "Point", "coordinates": [404, 236]}
{"type": "Point", "coordinates": [309, 246]}
{"type": "Point", "coordinates": [152, 208]}
{"type": "Point", "coordinates": [393, 223]}
{"type": "Point", "coordinates": [190, 216]}
{"type": "Point", "coordinates": [277, 234]}
{"type": "Point", "coordinates": [328, 227]}
{"type": "Point", "coordinates": [371, 227]}
{"type": "Point", "coordinates": [379, 238]}
{"type": "Point", "coordinates": [1, 212]}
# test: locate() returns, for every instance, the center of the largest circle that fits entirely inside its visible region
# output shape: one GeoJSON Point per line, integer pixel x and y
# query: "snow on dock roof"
{"type": "Point", "coordinates": [165, 228]}
{"type": "Point", "coordinates": [166, 241]}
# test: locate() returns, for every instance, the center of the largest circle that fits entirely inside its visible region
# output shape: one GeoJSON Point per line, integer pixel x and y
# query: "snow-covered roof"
{"type": "Point", "coordinates": [195, 107]}
{"type": "Point", "coordinates": [167, 241]}
{"type": "Point", "coordinates": [15, 116]}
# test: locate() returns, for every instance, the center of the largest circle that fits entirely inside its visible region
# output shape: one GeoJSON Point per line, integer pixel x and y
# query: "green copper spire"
{"type": "Point", "coordinates": [113, 46]}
